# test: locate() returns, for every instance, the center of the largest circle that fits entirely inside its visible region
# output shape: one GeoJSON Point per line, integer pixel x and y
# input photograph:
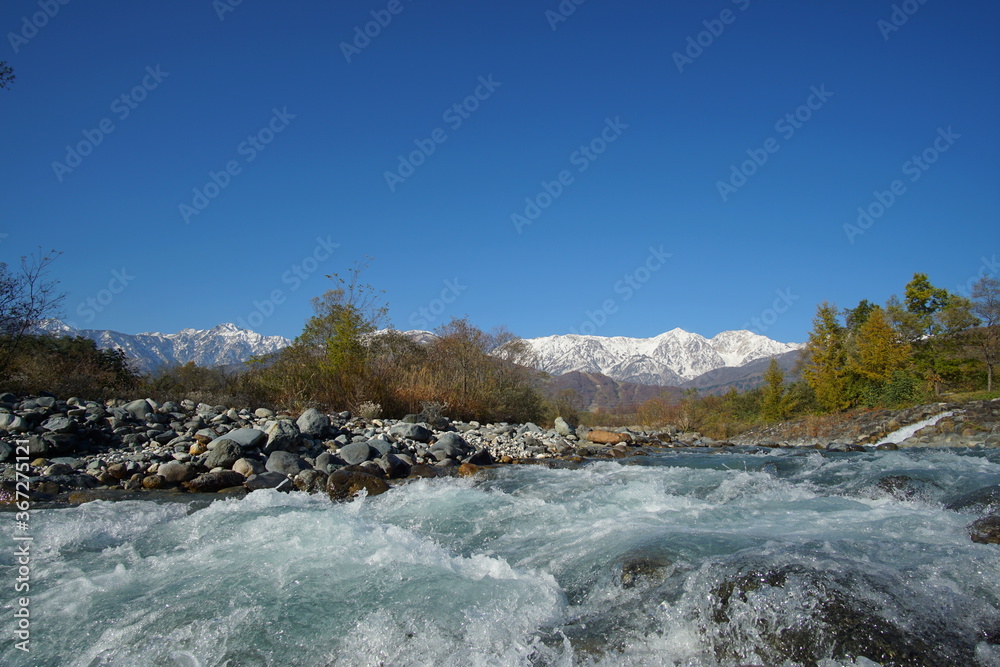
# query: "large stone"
{"type": "Point", "coordinates": [394, 467]}
{"type": "Point", "coordinates": [282, 435]}
{"type": "Point", "coordinates": [986, 530]}
{"type": "Point", "coordinates": [345, 484]}
{"type": "Point", "coordinates": [224, 454]}
{"type": "Point", "coordinates": [210, 482]}
{"type": "Point", "coordinates": [412, 431]}
{"type": "Point", "coordinates": [140, 409]}
{"type": "Point", "coordinates": [986, 499]}
{"type": "Point", "coordinates": [313, 423]}
{"type": "Point", "coordinates": [451, 442]}
{"type": "Point", "coordinates": [286, 463]}
{"type": "Point", "coordinates": [246, 438]}
{"type": "Point", "coordinates": [381, 445]}
{"type": "Point", "coordinates": [247, 467]}
{"type": "Point", "coordinates": [13, 423]}
{"type": "Point", "coordinates": [563, 428]}
{"type": "Point", "coordinates": [175, 472]}
{"type": "Point", "coordinates": [608, 437]}
{"type": "Point", "coordinates": [268, 480]}
{"type": "Point", "coordinates": [357, 452]}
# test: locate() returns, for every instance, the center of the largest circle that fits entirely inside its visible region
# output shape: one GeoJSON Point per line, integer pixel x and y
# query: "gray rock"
{"type": "Point", "coordinates": [313, 423]}
{"type": "Point", "coordinates": [394, 467]}
{"type": "Point", "coordinates": [140, 408]}
{"type": "Point", "coordinates": [286, 463]}
{"type": "Point", "coordinates": [416, 432]}
{"type": "Point", "coordinates": [562, 428]}
{"type": "Point", "coordinates": [357, 452]}
{"type": "Point", "coordinates": [210, 482]}
{"type": "Point", "coordinates": [268, 480]}
{"type": "Point", "coordinates": [247, 438]}
{"type": "Point", "coordinates": [6, 451]}
{"type": "Point", "coordinates": [325, 460]}
{"type": "Point", "coordinates": [452, 441]}
{"type": "Point", "coordinates": [986, 499]}
{"type": "Point", "coordinates": [224, 454]}
{"type": "Point", "coordinates": [264, 413]}
{"type": "Point", "coordinates": [282, 435]}
{"type": "Point", "coordinates": [383, 446]}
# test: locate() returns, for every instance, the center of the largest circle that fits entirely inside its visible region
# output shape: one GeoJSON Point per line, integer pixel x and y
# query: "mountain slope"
{"type": "Point", "coordinates": [670, 359]}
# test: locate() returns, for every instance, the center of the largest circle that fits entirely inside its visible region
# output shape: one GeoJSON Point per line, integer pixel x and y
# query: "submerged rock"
{"type": "Point", "coordinates": [345, 484]}
{"type": "Point", "coordinates": [986, 499]}
{"type": "Point", "coordinates": [986, 530]}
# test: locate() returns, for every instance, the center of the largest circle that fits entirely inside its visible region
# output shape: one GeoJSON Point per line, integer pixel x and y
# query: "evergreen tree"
{"type": "Point", "coordinates": [774, 406]}
{"type": "Point", "coordinates": [877, 356]}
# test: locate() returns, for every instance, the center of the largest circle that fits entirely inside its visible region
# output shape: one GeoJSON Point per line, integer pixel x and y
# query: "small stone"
{"type": "Point", "coordinates": [175, 472]}
{"type": "Point", "coordinates": [312, 423]}
{"type": "Point", "coordinates": [608, 437]}
{"type": "Point", "coordinates": [248, 467]}
{"type": "Point", "coordinates": [357, 453]}
{"type": "Point", "coordinates": [153, 482]}
{"type": "Point", "coordinates": [563, 428]}
{"type": "Point", "coordinates": [225, 453]}
{"type": "Point", "coordinates": [468, 470]}
{"type": "Point", "coordinates": [198, 448]}
{"type": "Point", "coordinates": [268, 480]}
{"type": "Point", "coordinates": [118, 470]}
{"type": "Point", "coordinates": [285, 463]}
{"type": "Point", "coordinates": [412, 432]}
{"type": "Point", "coordinates": [263, 413]}
{"type": "Point", "coordinates": [210, 482]}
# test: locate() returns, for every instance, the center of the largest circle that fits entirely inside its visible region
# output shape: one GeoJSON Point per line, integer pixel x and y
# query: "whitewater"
{"type": "Point", "coordinates": [742, 556]}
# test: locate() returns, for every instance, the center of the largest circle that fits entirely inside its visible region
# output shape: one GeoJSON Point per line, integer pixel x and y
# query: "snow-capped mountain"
{"type": "Point", "coordinates": [219, 346]}
{"type": "Point", "coordinates": [669, 359]}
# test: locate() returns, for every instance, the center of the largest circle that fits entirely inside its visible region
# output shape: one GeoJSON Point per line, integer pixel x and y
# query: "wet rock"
{"type": "Point", "coordinates": [394, 467]}
{"type": "Point", "coordinates": [468, 470]}
{"type": "Point", "coordinates": [986, 530]}
{"type": "Point", "coordinates": [345, 484]}
{"type": "Point", "coordinates": [986, 499]}
{"type": "Point", "coordinates": [154, 482]}
{"type": "Point", "coordinates": [310, 481]}
{"type": "Point", "coordinates": [481, 457]}
{"type": "Point", "coordinates": [608, 437]}
{"type": "Point", "coordinates": [640, 569]}
{"type": "Point", "coordinates": [210, 482]}
{"type": "Point", "coordinates": [423, 470]}
{"type": "Point", "coordinates": [901, 487]}
{"type": "Point", "coordinates": [268, 480]}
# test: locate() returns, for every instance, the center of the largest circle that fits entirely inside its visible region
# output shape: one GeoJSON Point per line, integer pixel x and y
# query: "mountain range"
{"type": "Point", "coordinates": [593, 365]}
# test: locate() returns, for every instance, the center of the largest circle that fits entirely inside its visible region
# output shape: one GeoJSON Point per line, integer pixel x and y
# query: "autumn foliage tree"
{"type": "Point", "coordinates": [826, 359]}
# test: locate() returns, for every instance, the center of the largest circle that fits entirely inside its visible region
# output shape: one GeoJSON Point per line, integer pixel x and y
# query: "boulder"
{"type": "Point", "coordinates": [59, 424]}
{"type": "Point", "coordinates": [416, 432]}
{"type": "Point", "coordinates": [174, 472]}
{"type": "Point", "coordinates": [986, 530]}
{"type": "Point", "coordinates": [247, 438]}
{"type": "Point", "coordinates": [563, 428]}
{"type": "Point", "coordinates": [224, 454]}
{"type": "Point", "coordinates": [313, 423]}
{"type": "Point", "coordinates": [608, 437]}
{"type": "Point", "coordinates": [13, 423]}
{"type": "Point", "coordinates": [282, 435]}
{"type": "Point", "coordinates": [345, 484]}
{"type": "Point", "coordinates": [210, 482]}
{"type": "Point", "coordinates": [394, 467]}
{"type": "Point", "coordinates": [268, 480]}
{"type": "Point", "coordinates": [311, 481]}
{"type": "Point", "coordinates": [357, 453]}
{"type": "Point", "coordinates": [286, 463]}
{"type": "Point", "coordinates": [248, 467]}
{"type": "Point", "coordinates": [140, 409]}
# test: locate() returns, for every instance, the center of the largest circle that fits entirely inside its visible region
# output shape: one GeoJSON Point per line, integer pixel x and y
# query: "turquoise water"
{"type": "Point", "coordinates": [685, 558]}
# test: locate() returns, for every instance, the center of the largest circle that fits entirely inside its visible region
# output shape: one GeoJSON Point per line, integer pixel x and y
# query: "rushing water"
{"type": "Point", "coordinates": [685, 558]}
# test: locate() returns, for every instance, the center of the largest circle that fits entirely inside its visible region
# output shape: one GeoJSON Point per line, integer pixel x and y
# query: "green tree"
{"type": "Point", "coordinates": [986, 304]}
{"type": "Point", "coordinates": [825, 359]}
{"type": "Point", "coordinates": [774, 406]}
{"type": "Point", "coordinates": [855, 317]}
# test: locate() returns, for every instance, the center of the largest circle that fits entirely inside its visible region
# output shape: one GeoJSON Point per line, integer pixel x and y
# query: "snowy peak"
{"type": "Point", "coordinates": [668, 359]}
{"type": "Point", "coordinates": [221, 345]}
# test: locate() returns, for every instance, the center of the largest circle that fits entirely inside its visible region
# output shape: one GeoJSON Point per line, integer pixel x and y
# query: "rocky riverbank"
{"type": "Point", "coordinates": [971, 424]}
{"type": "Point", "coordinates": [75, 450]}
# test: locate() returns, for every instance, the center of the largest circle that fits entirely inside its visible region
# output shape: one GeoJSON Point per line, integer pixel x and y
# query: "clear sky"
{"type": "Point", "coordinates": [619, 168]}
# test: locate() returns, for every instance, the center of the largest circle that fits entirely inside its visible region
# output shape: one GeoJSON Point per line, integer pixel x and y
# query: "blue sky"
{"type": "Point", "coordinates": [609, 168]}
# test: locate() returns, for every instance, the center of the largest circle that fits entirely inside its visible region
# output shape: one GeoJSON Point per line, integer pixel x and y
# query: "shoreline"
{"type": "Point", "coordinates": [68, 452]}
